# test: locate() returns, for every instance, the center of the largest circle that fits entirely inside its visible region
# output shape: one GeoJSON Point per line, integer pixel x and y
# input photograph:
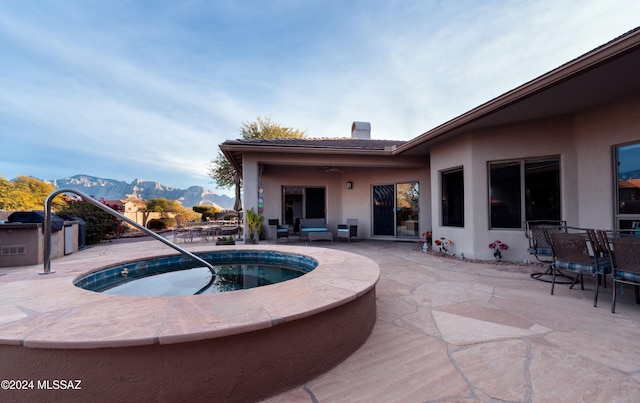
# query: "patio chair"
{"type": "Point", "coordinates": [579, 252]}
{"type": "Point", "coordinates": [348, 230]}
{"type": "Point", "coordinates": [280, 231]}
{"type": "Point", "coordinates": [182, 233]}
{"type": "Point", "coordinates": [539, 245]}
{"type": "Point", "coordinates": [624, 256]}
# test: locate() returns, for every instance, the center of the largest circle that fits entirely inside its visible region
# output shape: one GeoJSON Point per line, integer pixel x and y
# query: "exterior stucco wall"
{"type": "Point", "coordinates": [342, 203]}
{"type": "Point", "coordinates": [278, 176]}
{"type": "Point", "coordinates": [474, 151]}
{"type": "Point", "coordinates": [250, 185]}
{"type": "Point", "coordinates": [597, 132]}
{"type": "Point", "coordinates": [446, 156]}
{"type": "Point", "coordinates": [357, 202]}
{"type": "Point", "coordinates": [584, 143]}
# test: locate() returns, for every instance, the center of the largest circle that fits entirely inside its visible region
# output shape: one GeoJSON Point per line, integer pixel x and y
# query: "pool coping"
{"type": "Point", "coordinates": [50, 312]}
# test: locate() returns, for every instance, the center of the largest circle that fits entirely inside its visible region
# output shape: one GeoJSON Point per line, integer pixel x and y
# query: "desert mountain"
{"type": "Point", "coordinates": [111, 189]}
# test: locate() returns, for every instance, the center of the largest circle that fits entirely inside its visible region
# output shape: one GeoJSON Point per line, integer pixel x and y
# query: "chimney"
{"type": "Point", "coordinates": [361, 130]}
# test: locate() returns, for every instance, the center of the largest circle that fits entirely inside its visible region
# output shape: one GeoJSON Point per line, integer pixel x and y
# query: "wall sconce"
{"type": "Point", "coordinates": [349, 185]}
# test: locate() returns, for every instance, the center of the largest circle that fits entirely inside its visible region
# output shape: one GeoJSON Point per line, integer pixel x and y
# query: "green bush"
{"type": "Point", "coordinates": [158, 224]}
{"type": "Point", "coordinates": [100, 224]}
{"type": "Point", "coordinates": [208, 212]}
{"type": "Point", "coordinates": [230, 216]}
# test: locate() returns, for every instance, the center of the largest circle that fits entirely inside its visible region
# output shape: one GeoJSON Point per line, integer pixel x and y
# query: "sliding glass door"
{"type": "Point", "coordinates": [627, 180]}
{"type": "Point", "coordinates": [383, 211]}
{"type": "Point", "coordinates": [395, 210]}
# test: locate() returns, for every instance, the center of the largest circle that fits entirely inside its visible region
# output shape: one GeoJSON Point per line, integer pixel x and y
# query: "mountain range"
{"type": "Point", "coordinates": [110, 189]}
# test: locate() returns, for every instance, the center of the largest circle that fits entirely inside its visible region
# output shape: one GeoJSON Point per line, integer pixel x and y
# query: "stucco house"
{"type": "Point", "coordinates": [565, 145]}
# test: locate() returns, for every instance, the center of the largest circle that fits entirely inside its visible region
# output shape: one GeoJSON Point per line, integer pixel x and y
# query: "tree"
{"type": "Point", "coordinates": [207, 212]}
{"type": "Point", "coordinates": [221, 170]}
{"type": "Point", "coordinates": [24, 193]}
{"type": "Point", "coordinates": [170, 209]}
{"type": "Point", "coordinates": [158, 205]}
{"type": "Point", "coordinates": [185, 215]}
{"type": "Point", "coordinates": [5, 189]}
{"type": "Point", "coordinates": [266, 129]}
{"type": "Point", "coordinates": [163, 206]}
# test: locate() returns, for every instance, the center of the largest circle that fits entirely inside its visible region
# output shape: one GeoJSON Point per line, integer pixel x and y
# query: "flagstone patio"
{"type": "Point", "coordinates": [453, 331]}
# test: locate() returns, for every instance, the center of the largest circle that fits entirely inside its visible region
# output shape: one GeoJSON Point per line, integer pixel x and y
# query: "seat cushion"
{"type": "Point", "coordinates": [541, 251]}
{"type": "Point", "coordinates": [605, 266]}
{"type": "Point", "coordinates": [619, 274]}
{"type": "Point", "coordinates": [313, 229]}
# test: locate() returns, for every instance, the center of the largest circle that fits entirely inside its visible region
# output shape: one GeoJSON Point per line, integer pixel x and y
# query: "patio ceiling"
{"type": "Point", "coordinates": [337, 153]}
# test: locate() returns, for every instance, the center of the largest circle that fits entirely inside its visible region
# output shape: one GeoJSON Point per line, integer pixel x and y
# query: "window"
{"type": "Point", "coordinates": [303, 202]}
{"type": "Point", "coordinates": [627, 181]}
{"type": "Point", "coordinates": [452, 198]}
{"type": "Point", "coordinates": [538, 199]}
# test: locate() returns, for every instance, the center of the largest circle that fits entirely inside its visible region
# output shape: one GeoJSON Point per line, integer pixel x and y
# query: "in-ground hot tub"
{"type": "Point", "coordinates": [181, 275]}
{"type": "Point", "coordinates": [240, 345]}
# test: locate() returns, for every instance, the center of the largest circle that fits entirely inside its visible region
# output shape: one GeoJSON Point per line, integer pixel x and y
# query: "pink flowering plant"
{"type": "Point", "coordinates": [498, 247]}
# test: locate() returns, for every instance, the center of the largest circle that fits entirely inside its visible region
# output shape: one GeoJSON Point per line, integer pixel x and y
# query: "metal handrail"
{"type": "Point", "coordinates": [88, 199]}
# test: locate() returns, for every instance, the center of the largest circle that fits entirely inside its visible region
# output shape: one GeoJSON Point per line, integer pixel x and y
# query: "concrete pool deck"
{"type": "Point", "coordinates": [453, 331]}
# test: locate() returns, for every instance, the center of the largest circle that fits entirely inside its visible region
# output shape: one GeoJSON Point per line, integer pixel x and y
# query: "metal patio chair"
{"type": "Point", "coordinates": [580, 253]}
{"type": "Point", "coordinates": [537, 232]}
{"type": "Point", "coordinates": [624, 255]}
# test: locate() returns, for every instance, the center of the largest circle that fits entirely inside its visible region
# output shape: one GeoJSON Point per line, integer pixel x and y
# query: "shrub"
{"type": "Point", "coordinates": [100, 224]}
{"type": "Point", "coordinates": [157, 224]}
{"type": "Point", "coordinates": [184, 215]}
{"type": "Point", "coordinates": [208, 212]}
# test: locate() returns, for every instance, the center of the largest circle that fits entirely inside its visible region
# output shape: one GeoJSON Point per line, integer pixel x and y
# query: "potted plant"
{"type": "Point", "coordinates": [497, 248]}
{"type": "Point", "coordinates": [254, 224]}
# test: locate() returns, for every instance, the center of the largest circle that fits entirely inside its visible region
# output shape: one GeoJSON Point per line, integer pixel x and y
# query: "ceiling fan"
{"type": "Point", "coordinates": [332, 169]}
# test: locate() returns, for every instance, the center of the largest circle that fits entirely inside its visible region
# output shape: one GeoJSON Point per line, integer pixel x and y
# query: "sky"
{"type": "Point", "coordinates": [148, 90]}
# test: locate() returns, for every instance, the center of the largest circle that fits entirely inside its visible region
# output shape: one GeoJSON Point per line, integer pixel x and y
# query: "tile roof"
{"type": "Point", "coordinates": [329, 143]}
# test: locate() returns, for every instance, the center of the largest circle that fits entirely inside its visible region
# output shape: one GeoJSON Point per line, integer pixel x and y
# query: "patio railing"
{"type": "Point", "coordinates": [96, 203]}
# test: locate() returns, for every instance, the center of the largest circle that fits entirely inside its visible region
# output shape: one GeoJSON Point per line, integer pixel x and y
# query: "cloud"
{"type": "Point", "coordinates": [150, 89]}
